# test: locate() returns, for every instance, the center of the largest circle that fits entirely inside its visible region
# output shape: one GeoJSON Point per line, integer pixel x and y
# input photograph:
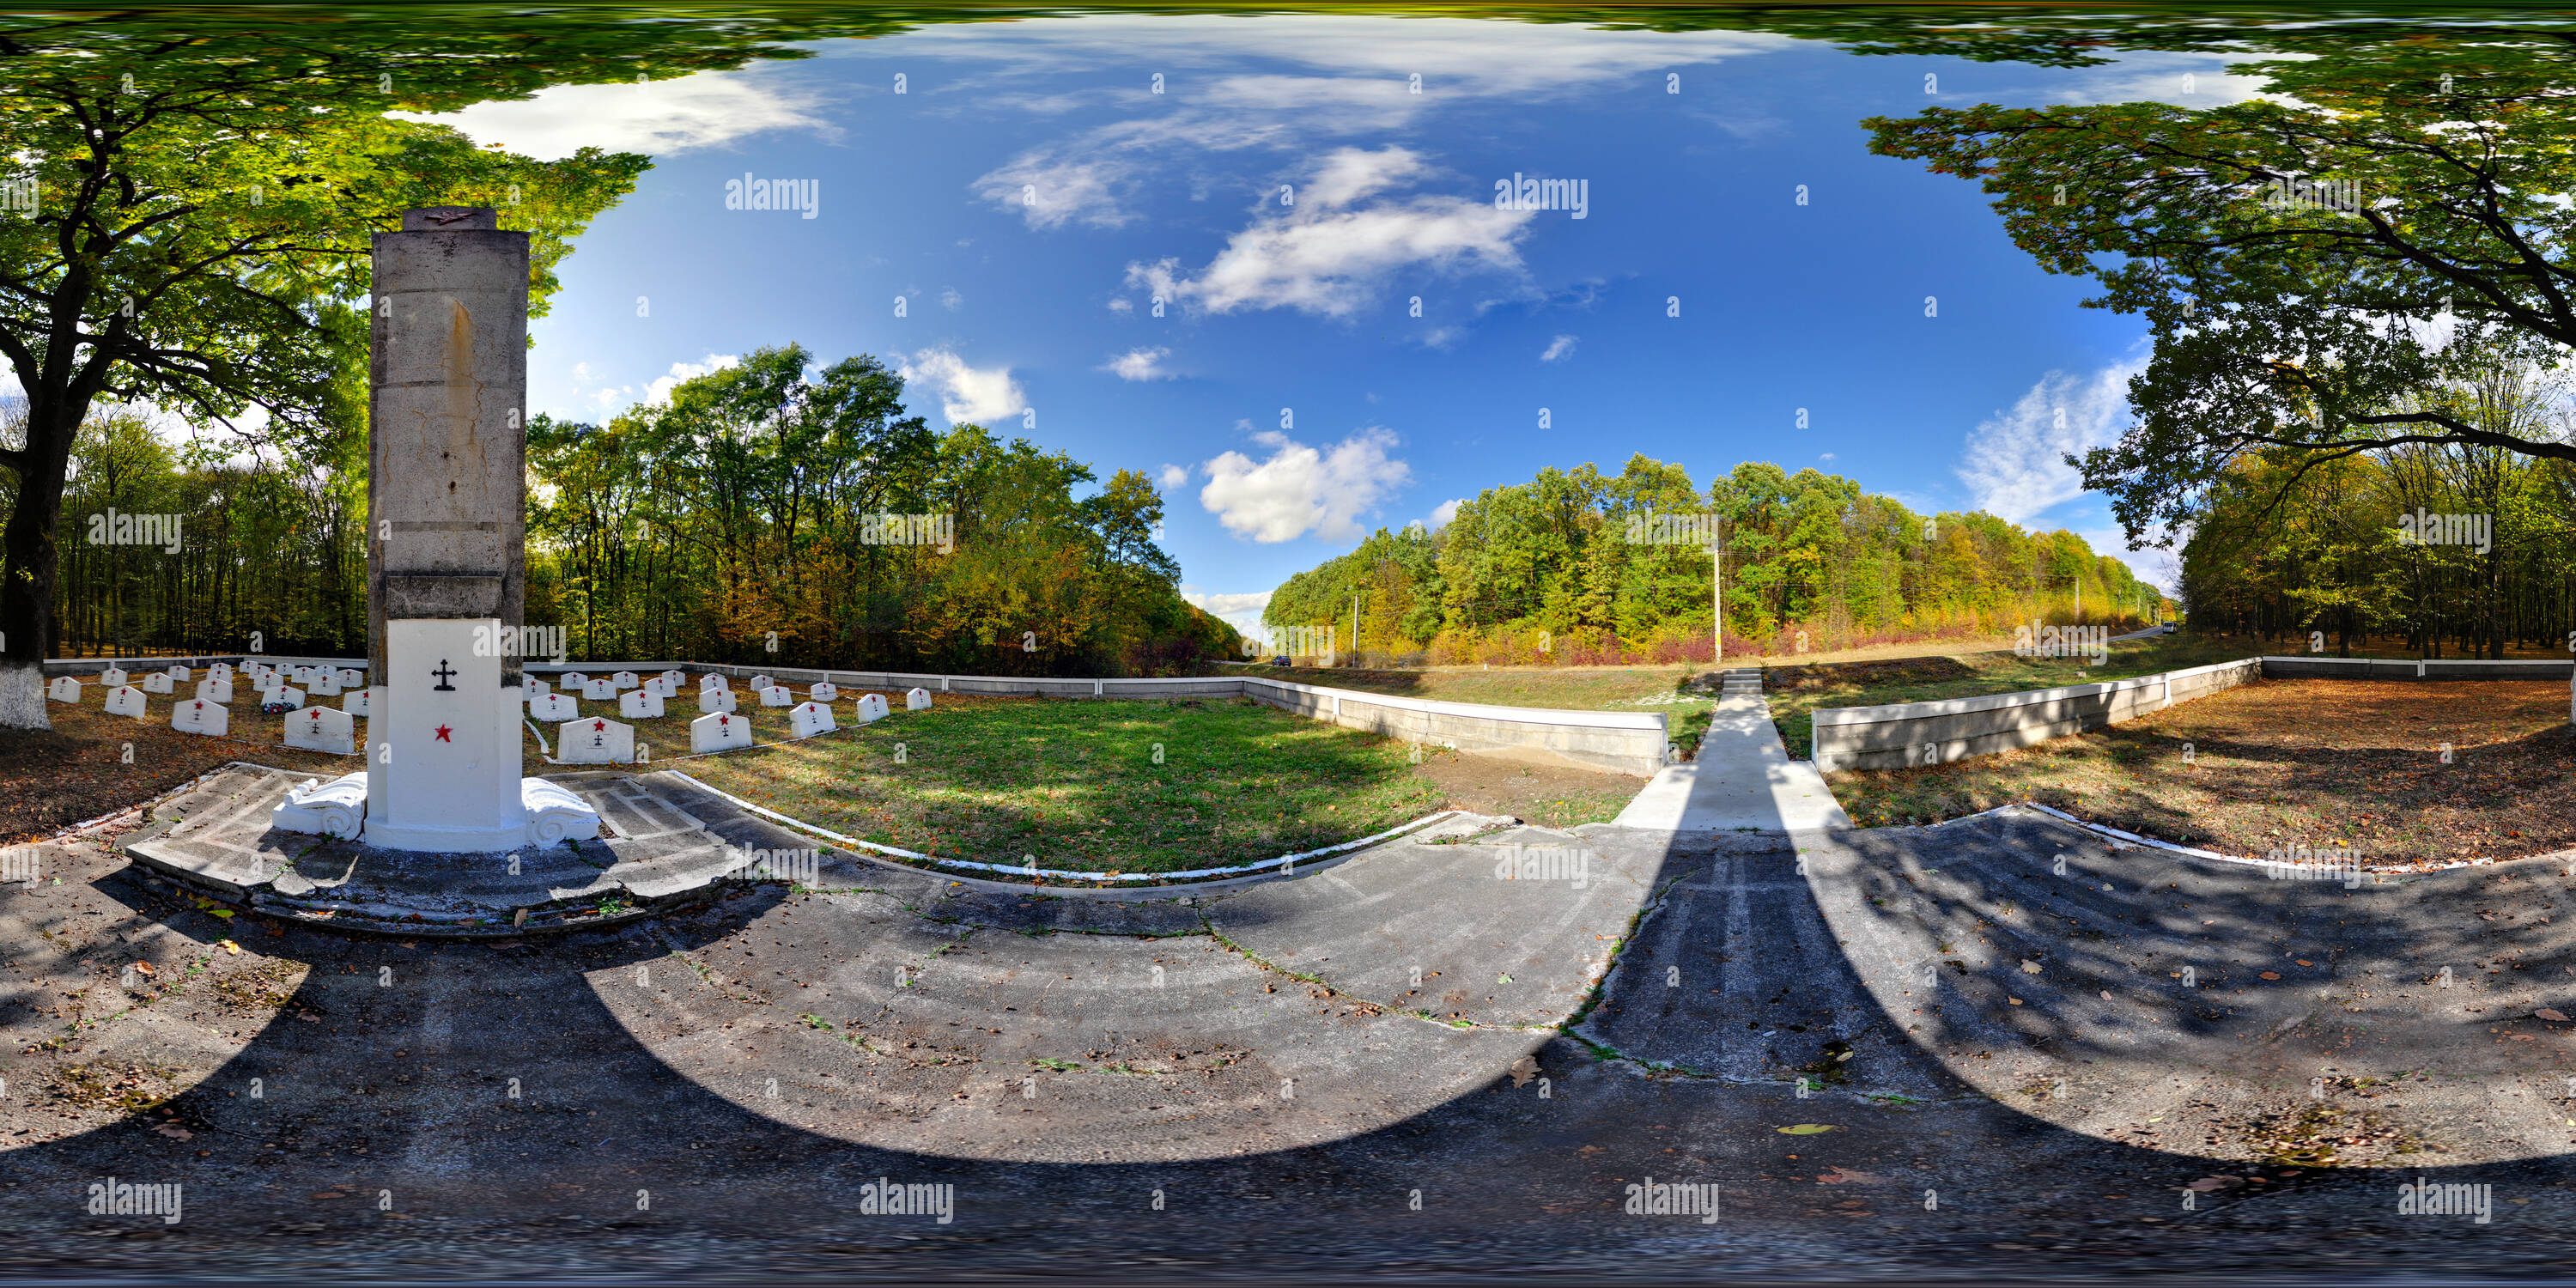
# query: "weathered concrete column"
{"type": "Point", "coordinates": [446, 500]}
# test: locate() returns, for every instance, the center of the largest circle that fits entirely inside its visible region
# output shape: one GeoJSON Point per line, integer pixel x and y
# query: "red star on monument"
{"type": "Point", "coordinates": [442, 734]}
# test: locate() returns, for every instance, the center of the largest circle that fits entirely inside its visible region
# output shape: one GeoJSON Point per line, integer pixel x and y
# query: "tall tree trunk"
{"type": "Point", "coordinates": [29, 562]}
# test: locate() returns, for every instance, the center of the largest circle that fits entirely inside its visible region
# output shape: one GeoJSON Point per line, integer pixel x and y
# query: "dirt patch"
{"type": "Point", "coordinates": [2327, 764]}
{"type": "Point", "coordinates": [1549, 795]}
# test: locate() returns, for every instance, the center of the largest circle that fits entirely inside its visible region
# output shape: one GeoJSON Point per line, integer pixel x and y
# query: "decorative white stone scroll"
{"type": "Point", "coordinates": [63, 689]}
{"type": "Point", "coordinates": [807, 719]}
{"type": "Point", "coordinates": [199, 716]}
{"type": "Point", "coordinates": [917, 700]}
{"type": "Point", "coordinates": [626, 680]}
{"type": "Point", "coordinates": [595, 741]}
{"type": "Point", "coordinates": [112, 676]}
{"type": "Point", "coordinates": [777, 696]}
{"type": "Point", "coordinates": [599, 690]}
{"type": "Point", "coordinates": [356, 702]}
{"type": "Point", "coordinates": [714, 700]}
{"type": "Point", "coordinates": [126, 700]}
{"type": "Point", "coordinates": [335, 808]}
{"type": "Point", "coordinates": [322, 729]}
{"type": "Point", "coordinates": [662, 686]}
{"type": "Point", "coordinates": [872, 707]}
{"type": "Point", "coordinates": [640, 704]}
{"type": "Point", "coordinates": [555, 814]}
{"type": "Point", "coordinates": [211, 689]}
{"type": "Point", "coordinates": [552, 707]}
{"type": "Point", "coordinates": [721, 731]}
{"type": "Point", "coordinates": [157, 682]}
{"type": "Point", "coordinates": [326, 684]}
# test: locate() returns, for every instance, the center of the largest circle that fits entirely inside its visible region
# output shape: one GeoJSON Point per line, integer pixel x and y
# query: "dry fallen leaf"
{"type": "Point", "coordinates": [2209, 1183]}
{"type": "Point", "coordinates": [1838, 1175]}
{"type": "Point", "coordinates": [2548, 1014]}
{"type": "Point", "coordinates": [231, 947]}
{"type": "Point", "coordinates": [1805, 1129]}
{"type": "Point", "coordinates": [2014, 1000]}
{"type": "Point", "coordinates": [2271, 974]}
{"type": "Point", "coordinates": [173, 1130]}
{"type": "Point", "coordinates": [2030, 968]}
{"type": "Point", "coordinates": [1523, 1070]}
{"type": "Point", "coordinates": [145, 968]}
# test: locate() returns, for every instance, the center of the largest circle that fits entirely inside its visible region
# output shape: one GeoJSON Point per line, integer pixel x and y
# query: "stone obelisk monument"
{"type": "Point", "coordinates": [446, 501]}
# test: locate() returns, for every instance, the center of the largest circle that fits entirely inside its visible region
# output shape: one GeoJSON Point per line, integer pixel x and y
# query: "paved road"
{"type": "Point", "coordinates": [707, 1097]}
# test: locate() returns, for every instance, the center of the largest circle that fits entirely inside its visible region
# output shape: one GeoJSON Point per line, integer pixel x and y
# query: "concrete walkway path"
{"type": "Point", "coordinates": [1743, 780]}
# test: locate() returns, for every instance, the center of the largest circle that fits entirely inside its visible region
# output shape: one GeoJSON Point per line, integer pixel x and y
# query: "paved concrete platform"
{"type": "Point", "coordinates": [215, 837]}
{"type": "Point", "coordinates": [1741, 781]}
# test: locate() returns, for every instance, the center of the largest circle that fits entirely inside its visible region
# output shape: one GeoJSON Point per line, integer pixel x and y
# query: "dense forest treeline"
{"type": "Point", "coordinates": [1577, 567]}
{"type": "Point", "coordinates": [746, 520]}
{"type": "Point", "coordinates": [2438, 549]}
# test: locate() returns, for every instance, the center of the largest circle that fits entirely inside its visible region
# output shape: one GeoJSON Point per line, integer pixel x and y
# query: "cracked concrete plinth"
{"type": "Point", "coordinates": [216, 836]}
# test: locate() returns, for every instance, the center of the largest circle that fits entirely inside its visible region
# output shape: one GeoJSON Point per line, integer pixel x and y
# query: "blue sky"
{"type": "Point", "coordinates": [1289, 194]}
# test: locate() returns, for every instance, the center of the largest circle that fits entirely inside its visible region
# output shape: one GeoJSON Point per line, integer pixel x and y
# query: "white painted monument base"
{"type": "Point", "coordinates": [443, 755]}
{"type": "Point", "coordinates": [335, 808]}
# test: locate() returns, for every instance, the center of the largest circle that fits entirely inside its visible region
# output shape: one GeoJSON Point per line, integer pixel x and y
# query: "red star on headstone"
{"type": "Point", "coordinates": [442, 734]}
{"type": "Point", "coordinates": [597, 725]}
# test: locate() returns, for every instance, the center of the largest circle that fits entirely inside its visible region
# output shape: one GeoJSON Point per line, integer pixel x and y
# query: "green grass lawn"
{"type": "Point", "coordinates": [1796, 691]}
{"type": "Point", "coordinates": [1076, 784]}
{"type": "Point", "coordinates": [1639, 688]}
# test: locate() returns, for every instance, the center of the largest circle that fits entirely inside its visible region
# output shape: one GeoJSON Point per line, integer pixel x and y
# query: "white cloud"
{"type": "Point", "coordinates": [1301, 489]}
{"type": "Point", "coordinates": [951, 300]}
{"type": "Point", "coordinates": [1174, 476]}
{"type": "Point", "coordinates": [1050, 193]}
{"type": "Point", "coordinates": [1825, 456]}
{"type": "Point", "coordinates": [1140, 364]}
{"type": "Point", "coordinates": [1447, 511]}
{"type": "Point", "coordinates": [1558, 348]}
{"type": "Point", "coordinates": [580, 372]}
{"type": "Point", "coordinates": [706, 110]}
{"type": "Point", "coordinates": [1122, 305]}
{"type": "Point", "coordinates": [1242, 609]}
{"type": "Point", "coordinates": [2012, 466]}
{"type": "Point", "coordinates": [971, 394]}
{"type": "Point", "coordinates": [1320, 257]}
{"type": "Point", "coordinates": [659, 392]}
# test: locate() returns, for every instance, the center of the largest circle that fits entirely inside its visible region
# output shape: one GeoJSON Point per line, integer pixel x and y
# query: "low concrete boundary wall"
{"type": "Point", "coordinates": [1612, 741]}
{"type": "Point", "coordinates": [1901, 735]}
{"type": "Point", "coordinates": [2370, 668]}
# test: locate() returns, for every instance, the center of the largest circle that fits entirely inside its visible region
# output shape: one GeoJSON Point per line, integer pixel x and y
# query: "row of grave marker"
{"type": "Point", "coordinates": [594, 741]}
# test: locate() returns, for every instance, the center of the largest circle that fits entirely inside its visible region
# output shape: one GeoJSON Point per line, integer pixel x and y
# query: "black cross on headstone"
{"type": "Point", "coordinates": [444, 674]}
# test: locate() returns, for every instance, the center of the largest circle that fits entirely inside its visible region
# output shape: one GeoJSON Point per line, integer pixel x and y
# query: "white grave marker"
{"type": "Point", "coordinates": [178, 673]}
{"type": "Point", "coordinates": [554, 707]}
{"type": "Point", "coordinates": [199, 716]}
{"type": "Point", "coordinates": [304, 675]}
{"type": "Point", "coordinates": [872, 707]}
{"type": "Point", "coordinates": [211, 689]}
{"type": "Point", "coordinates": [824, 692]}
{"type": "Point", "coordinates": [599, 690]}
{"type": "Point", "coordinates": [125, 700]}
{"type": "Point", "coordinates": [536, 688]}
{"type": "Point", "coordinates": [157, 682]}
{"type": "Point", "coordinates": [595, 741]}
{"type": "Point", "coordinates": [292, 697]}
{"type": "Point", "coordinates": [573, 679]}
{"type": "Point", "coordinates": [714, 700]}
{"type": "Point", "coordinates": [220, 671]}
{"type": "Point", "coordinates": [917, 700]}
{"type": "Point", "coordinates": [711, 680]}
{"type": "Point", "coordinates": [322, 729]}
{"type": "Point", "coordinates": [626, 680]}
{"type": "Point", "coordinates": [759, 682]}
{"type": "Point", "coordinates": [112, 676]}
{"type": "Point", "coordinates": [63, 689]}
{"type": "Point", "coordinates": [774, 696]}
{"type": "Point", "coordinates": [810, 718]}
{"type": "Point", "coordinates": [662, 686]}
{"type": "Point", "coordinates": [326, 684]}
{"type": "Point", "coordinates": [640, 704]}
{"type": "Point", "coordinates": [356, 702]}
{"type": "Point", "coordinates": [719, 732]}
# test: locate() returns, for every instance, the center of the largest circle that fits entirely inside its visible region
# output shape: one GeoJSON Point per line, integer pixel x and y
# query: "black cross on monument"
{"type": "Point", "coordinates": [444, 674]}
